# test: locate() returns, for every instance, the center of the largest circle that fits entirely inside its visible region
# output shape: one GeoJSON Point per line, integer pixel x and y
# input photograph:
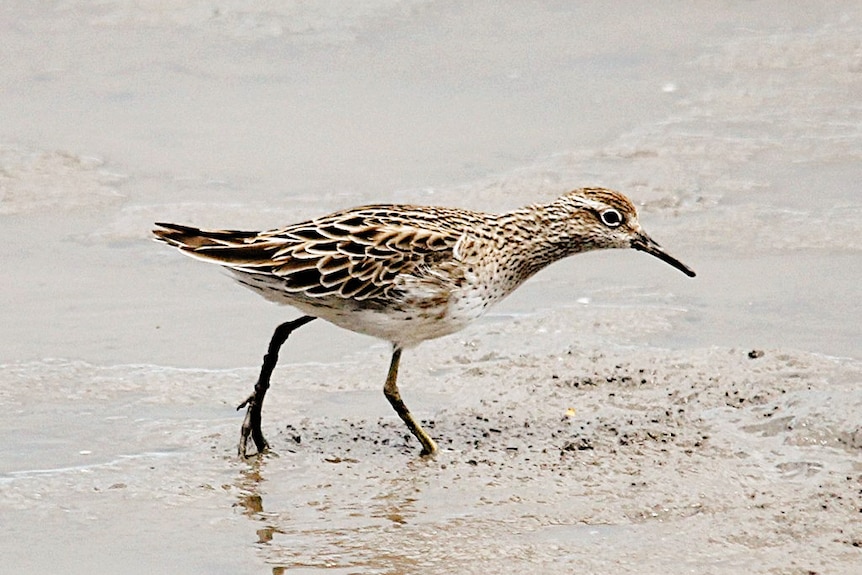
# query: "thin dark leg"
{"type": "Point", "coordinates": [251, 423]}
{"type": "Point", "coordinates": [390, 390]}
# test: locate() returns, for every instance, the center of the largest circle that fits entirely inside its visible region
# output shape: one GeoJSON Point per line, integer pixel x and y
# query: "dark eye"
{"type": "Point", "coordinates": [611, 218]}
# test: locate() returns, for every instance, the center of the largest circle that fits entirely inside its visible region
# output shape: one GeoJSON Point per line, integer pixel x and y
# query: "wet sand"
{"type": "Point", "coordinates": [612, 416]}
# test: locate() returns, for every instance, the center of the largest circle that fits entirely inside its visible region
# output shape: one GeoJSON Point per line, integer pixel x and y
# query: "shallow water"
{"type": "Point", "coordinates": [736, 129]}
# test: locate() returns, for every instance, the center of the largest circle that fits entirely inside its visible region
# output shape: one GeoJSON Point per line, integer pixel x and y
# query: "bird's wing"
{"type": "Point", "coordinates": [354, 254]}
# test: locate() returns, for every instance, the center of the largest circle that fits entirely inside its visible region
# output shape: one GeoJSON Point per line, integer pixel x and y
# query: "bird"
{"type": "Point", "coordinates": [406, 273]}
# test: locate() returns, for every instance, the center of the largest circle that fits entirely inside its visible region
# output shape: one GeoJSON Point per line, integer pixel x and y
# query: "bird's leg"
{"type": "Point", "coordinates": [390, 390]}
{"type": "Point", "coordinates": [251, 423]}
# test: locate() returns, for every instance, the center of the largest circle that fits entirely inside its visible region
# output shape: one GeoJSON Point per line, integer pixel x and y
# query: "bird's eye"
{"type": "Point", "coordinates": [611, 218]}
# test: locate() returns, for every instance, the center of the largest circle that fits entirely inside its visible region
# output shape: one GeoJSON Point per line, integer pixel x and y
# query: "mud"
{"type": "Point", "coordinates": [703, 460]}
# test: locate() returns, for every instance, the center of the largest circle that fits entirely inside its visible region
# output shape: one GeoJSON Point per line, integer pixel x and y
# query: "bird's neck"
{"type": "Point", "coordinates": [539, 235]}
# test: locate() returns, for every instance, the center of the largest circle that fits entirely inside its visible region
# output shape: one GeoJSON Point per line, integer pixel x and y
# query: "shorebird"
{"type": "Point", "coordinates": [405, 273]}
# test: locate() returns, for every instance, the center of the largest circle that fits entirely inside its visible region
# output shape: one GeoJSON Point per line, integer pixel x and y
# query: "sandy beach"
{"type": "Point", "coordinates": [612, 416]}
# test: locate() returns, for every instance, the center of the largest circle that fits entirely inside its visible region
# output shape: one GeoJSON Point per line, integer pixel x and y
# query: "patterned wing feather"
{"type": "Point", "coordinates": [354, 254]}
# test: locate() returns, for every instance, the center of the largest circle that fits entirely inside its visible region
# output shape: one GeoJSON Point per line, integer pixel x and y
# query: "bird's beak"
{"type": "Point", "coordinates": [644, 243]}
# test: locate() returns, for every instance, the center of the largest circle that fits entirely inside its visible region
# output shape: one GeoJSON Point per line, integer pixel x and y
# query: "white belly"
{"type": "Point", "coordinates": [428, 312]}
{"type": "Point", "coordinates": [404, 328]}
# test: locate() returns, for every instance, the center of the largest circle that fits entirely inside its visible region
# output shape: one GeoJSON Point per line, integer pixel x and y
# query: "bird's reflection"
{"type": "Point", "coordinates": [330, 514]}
{"type": "Point", "coordinates": [250, 499]}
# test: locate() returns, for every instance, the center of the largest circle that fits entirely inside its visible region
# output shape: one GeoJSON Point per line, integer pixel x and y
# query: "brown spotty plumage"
{"type": "Point", "coordinates": [409, 273]}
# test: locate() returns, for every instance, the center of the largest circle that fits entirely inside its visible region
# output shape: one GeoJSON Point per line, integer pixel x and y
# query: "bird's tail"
{"type": "Point", "coordinates": [189, 238]}
{"type": "Point", "coordinates": [231, 248]}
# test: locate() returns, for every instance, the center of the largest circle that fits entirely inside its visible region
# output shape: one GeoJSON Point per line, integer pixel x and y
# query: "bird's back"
{"type": "Point", "coordinates": [379, 269]}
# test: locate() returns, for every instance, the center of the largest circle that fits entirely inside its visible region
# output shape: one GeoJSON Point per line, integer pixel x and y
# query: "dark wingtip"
{"type": "Point", "coordinates": [174, 228]}
{"type": "Point", "coordinates": [174, 234]}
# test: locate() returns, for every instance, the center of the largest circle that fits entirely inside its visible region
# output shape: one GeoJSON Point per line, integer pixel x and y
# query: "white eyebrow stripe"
{"type": "Point", "coordinates": [592, 204]}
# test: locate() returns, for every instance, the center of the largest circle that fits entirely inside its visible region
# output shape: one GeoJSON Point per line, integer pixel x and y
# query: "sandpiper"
{"type": "Point", "coordinates": [407, 273]}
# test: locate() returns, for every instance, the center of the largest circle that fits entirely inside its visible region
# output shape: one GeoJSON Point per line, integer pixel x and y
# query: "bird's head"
{"type": "Point", "coordinates": [599, 218]}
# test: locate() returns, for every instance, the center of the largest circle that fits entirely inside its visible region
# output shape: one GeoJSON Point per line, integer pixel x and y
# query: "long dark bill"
{"type": "Point", "coordinates": [645, 243]}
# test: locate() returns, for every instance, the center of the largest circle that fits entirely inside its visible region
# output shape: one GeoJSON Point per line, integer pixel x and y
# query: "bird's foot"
{"type": "Point", "coordinates": [429, 446]}
{"type": "Point", "coordinates": [251, 427]}
{"type": "Point", "coordinates": [426, 454]}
